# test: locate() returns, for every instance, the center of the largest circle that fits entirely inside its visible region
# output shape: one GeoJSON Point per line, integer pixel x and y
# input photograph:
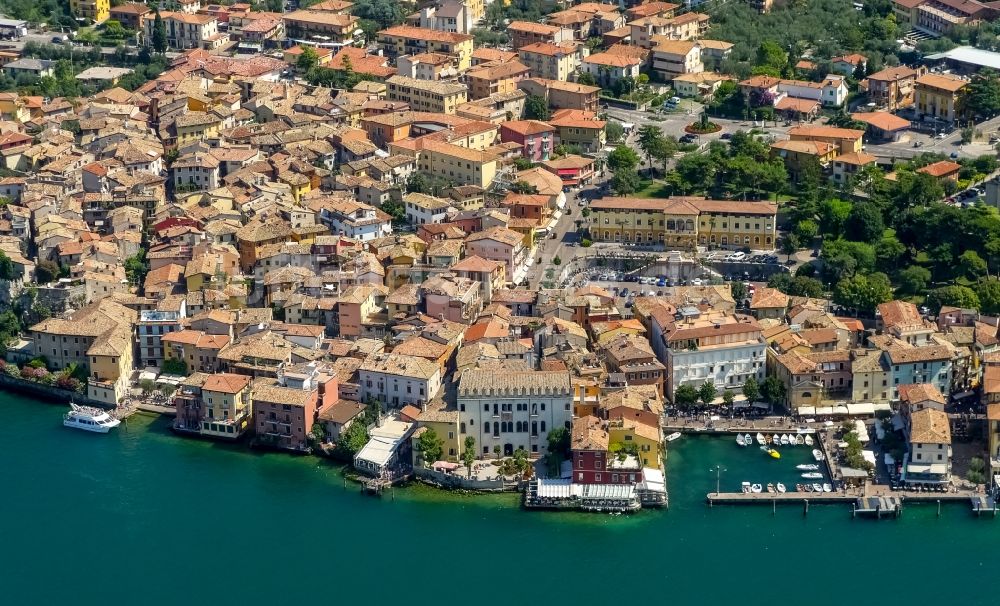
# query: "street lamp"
{"type": "Point", "coordinates": [718, 478]}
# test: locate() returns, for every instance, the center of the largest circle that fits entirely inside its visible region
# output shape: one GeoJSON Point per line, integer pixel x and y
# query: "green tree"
{"type": "Point", "coordinates": [914, 279]}
{"type": "Point", "coordinates": [739, 292]}
{"type": "Point", "coordinates": [865, 223]}
{"type": "Point", "coordinates": [159, 34]}
{"type": "Point", "coordinates": [751, 390]}
{"type": "Point", "coordinates": [863, 292]}
{"type": "Point", "coordinates": [523, 187]}
{"type": "Point", "coordinates": [587, 78]}
{"type": "Point", "coordinates": [623, 158]}
{"type": "Point", "coordinates": [613, 131]}
{"type": "Point", "coordinates": [685, 396]}
{"type": "Point", "coordinates": [972, 265]}
{"type": "Point", "coordinates": [625, 182]}
{"type": "Point", "coordinates": [789, 243]}
{"type": "Point", "coordinates": [559, 442]}
{"type": "Point", "coordinates": [174, 366]}
{"type": "Point", "coordinates": [136, 268]}
{"type": "Point", "coordinates": [536, 108]}
{"type": "Point", "coordinates": [984, 94]}
{"type": "Point", "coordinates": [833, 215]}
{"type": "Point", "coordinates": [707, 392]}
{"type": "Point", "coordinates": [955, 296]}
{"type": "Point", "coordinates": [650, 138]}
{"type": "Point", "coordinates": [728, 397]}
{"type": "Point", "coordinates": [806, 231]}
{"type": "Point", "coordinates": [988, 292]}
{"type": "Point", "coordinates": [773, 390]}
{"type": "Point", "coordinates": [469, 453]}
{"type": "Point", "coordinates": [307, 60]}
{"type": "Point", "coordinates": [771, 55]}
{"type": "Point", "coordinates": [46, 271]}
{"type": "Point", "coordinates": [430, 446]}
{"type": "Point", "coordinates": [7, 271]}
{"type": "Point", "coordinates": [352, 440]}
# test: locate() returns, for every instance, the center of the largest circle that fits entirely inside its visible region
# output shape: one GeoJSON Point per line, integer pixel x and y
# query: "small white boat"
{"type": "Point", "coordinates": [673, 436]}
{"type": "Point", "coordinates": [748, 439]}
{"type": "Point", "coordinates": [756, 488]}
{"type": "Point", "coordinates": [807, 467]}
{"type": "Point", "coordinates": [817, 454]}
{"type": "Point", "coordinates": [89, 419]}
{"type": "Point", "coordinates": [827, 488]}
{"type": "Point", "coordinates": [799, 440]}
{"type": "Point", "coordinates": [817, 488]}
{"type": "Point", "coordinates": [760, 438]}
{"type": "Point", "coordinates": [808, 440]}
{"type": "Point", "coordinates": [739, 440]}
{"type": "Point", "coordinates": [812, 475]}
{"type": "Point", "coordinates": [808, 487]}
{"type": "Point", "coordinates": [745, 486]}
{"type": "Point", "coordinates": [781, 488]}
{"type": "Point", "coordinates": [776, 439]}
{"type": "Point", "coordinates": [784, 439]}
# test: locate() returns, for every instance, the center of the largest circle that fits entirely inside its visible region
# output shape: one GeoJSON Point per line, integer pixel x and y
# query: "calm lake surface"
{"type": "Point", "coordinates": [142, 516]}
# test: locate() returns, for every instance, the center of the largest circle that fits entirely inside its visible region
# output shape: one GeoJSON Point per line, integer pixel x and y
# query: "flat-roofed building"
{"type": "Point", "coordinates": [427, 95]}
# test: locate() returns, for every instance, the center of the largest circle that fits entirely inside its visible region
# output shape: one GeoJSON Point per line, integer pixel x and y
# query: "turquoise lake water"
{"type": "Point", "coordinates": [142, 516]}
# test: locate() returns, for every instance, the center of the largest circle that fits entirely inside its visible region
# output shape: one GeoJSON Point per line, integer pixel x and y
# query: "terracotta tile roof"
{"type": "Point", "coordinates": [929, 426]}
{"type": "Point", "coordinates": [920, 392]}
{"type": "Point", "coordinates": [226, 383]}
{"type": "Point", "coordinates": [816, 148]}
{"type": "Point", "coordinates": [892, 74]}
{"type": "Point", "coordinates": [825, 132]}
{"type": "Point", "coordinates": [589, 433]}
{"type": "Point", "coordinates": [765, 297]}
{"type": "Point", "coordinates": [940, 168]}
{"type": "Point", "coordinates": [531, 27]}
{"type": "Point", "coordinates": [942, 82]}
{"type": "Point", "coordinates": [423, 33]}
{"type": "Point", "coordinates": [856, 158]}
{"type": "Point", "coordinates": [899, 313]}
{"type": "Point", "coordinates": [613, 60]}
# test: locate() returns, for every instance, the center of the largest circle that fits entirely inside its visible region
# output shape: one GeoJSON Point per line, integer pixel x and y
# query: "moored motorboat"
{"type": "Point", "coordinates": [800, 488]}
{"type": "Point", "coordinates": [748, 439]}
{"type": "Point", "coordinates": [799, 440]}
{"type": "Point", "coordinates": [756, 488]}
{"type": "Point", "coordinates": [760, 438]}
{"type": "Point", "coordinates": [776, 439]}
{"type": "Point", "coordinates": [812, 475]}
{"type": "Point", "coordinates": [767, 440]}
{"type": "Point", "coordinates": [807, 467]}
{"type": "Point", "coordinates": [808, 440]}
{"type": "Point", "coordinates": [817, 454]}
{"type": "Point", "coordinates": [673, 436]}
{"type": "Point", "coordinates": [808, 487]}
{"type": "Point", "coordinates": [770, 486]}
{"type": "Point", "coordinates": [739, 440]}
{"type": "Point", "coordinates": [88, 418]}
{"type": "Point", "coordinates": [827, 488]}
{"type": "Point", "coordinates": [817, 488]}
{"type": "Point", "coordinates": [781, 488]}
{"type": "Point", "coordinates": [745, 486]}
{"type": "Point", "coordinates": [784, 439]}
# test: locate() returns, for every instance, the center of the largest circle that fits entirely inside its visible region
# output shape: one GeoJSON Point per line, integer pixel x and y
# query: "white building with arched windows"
{"type": "Point", "coordinates": [515, 409]}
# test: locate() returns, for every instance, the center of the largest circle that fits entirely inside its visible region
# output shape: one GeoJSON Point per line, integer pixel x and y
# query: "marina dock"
{"type": "Point", "coordinates": [876, 505]}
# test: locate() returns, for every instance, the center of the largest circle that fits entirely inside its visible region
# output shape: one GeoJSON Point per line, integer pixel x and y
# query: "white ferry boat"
{"type": "Point", "coordinates": [89, 419]}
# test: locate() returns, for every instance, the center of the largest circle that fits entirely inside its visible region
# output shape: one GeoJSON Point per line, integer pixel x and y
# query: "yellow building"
{"type": "Point", "coordinates": [738, 224]}
{"type": "Point", "coordinates": [198, 350]}
{"type": "Point", "coordinates": [98, 338]}
{"type": "Point", "coordinates": [196, 126]}
{"type": "Point", "coordinates": [462, 165]}
{"type": "Point", "coordinates": [683, 223]}
{"type": "Point", "coordinates": [97, 11]}
{"type": "Point", "coordinates": [226, 401]}
{"type": "Point", "coordinates": [13, 108]}
{"type": "Point", "coordinates": [586, 396]}
{"type": "Point", "coordinates": [299, 184]}
{"type": "Point", "coordinates": [551, 61]}
{"type": "Point", "coordinates": [941, 96]}
{"type": "Point", "coordinates": [427, 95]}
{"type": "Point", "coordinates": [647, 440]}
{"type": "Point", "coordinates": [445, 425]}
{"type": "Point", "coordinates": [669, 221]}
{"type": "Point", "coordinates": [409, 40]}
